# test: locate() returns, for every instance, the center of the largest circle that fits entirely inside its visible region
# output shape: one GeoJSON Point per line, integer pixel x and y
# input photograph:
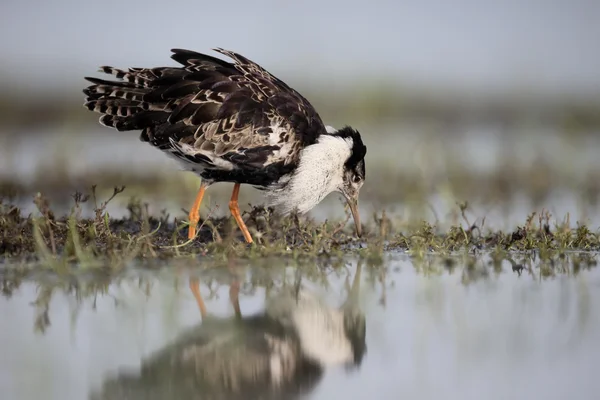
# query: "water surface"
{"type": "Point", "coordinates": [430, 332]}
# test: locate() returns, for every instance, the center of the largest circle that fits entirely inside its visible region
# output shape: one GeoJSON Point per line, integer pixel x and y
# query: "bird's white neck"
{"type": "Point", "coordinates": [320, 172]}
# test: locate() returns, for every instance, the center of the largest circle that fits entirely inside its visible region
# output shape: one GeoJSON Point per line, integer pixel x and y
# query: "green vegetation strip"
{"type": "Point", "coordinates": [64, 242]}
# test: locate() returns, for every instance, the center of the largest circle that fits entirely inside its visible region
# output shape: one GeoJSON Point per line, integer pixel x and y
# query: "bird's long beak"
{"type": "Point", "coordinates": [353, 203]}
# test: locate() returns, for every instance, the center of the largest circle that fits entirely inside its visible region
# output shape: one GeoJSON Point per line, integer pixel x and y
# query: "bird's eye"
{"type": "Point", "coordinates": [356, 178]}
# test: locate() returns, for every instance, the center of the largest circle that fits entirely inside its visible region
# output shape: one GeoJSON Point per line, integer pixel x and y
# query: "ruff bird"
{"type": "Point", "coordinates": [234, 122]}
{"type": "Point", "coordinates": [281, 352]}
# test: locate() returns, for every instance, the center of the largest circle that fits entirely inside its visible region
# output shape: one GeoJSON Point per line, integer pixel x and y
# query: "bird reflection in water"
{"type": "Point", "coordinates": [280, 352]}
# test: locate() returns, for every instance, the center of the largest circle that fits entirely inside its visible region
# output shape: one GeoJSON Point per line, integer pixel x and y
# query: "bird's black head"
{"type": "Point", "coordinates": [356, 162]}
{"type": "Point", "coordinates": [354, 170]}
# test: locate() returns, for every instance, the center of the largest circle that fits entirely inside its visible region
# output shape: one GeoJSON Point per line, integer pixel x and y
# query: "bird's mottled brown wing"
{"type": "Point", "coordinates": [212, 113]}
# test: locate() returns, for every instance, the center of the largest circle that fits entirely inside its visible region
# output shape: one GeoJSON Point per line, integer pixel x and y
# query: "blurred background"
{"type": "Point", "coordinates": [492, 103]}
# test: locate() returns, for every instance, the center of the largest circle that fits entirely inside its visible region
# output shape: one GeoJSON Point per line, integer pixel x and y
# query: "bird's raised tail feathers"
{"type": "Point", "coordinates": [124, 104]}
{"type": "Point", "coordinates": [157, 100]}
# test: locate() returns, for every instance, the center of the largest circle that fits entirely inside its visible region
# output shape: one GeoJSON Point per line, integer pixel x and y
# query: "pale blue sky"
{"type": "Point", "coordinates": [536, 44]}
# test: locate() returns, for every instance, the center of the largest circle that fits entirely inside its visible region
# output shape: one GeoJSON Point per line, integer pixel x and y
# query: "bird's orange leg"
{"type": "Point", "coordinates": [195, 287]}
{"type": "Point", "coordinates": [195, 212]}
{"type": "Point", "coordinates": [235, 211]}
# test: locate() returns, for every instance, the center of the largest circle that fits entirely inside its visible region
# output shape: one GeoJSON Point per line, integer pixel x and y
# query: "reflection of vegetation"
{"type": "Point", "coordinates": [89, 284]}
{"type": "Point", "coordinates": [480, 266]}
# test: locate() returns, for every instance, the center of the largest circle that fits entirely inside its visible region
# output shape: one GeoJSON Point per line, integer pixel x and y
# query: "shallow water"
{"type": "Point", "coordinates": [395, 150]}
{"type": "Point", "coordinates": [430, 332]}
